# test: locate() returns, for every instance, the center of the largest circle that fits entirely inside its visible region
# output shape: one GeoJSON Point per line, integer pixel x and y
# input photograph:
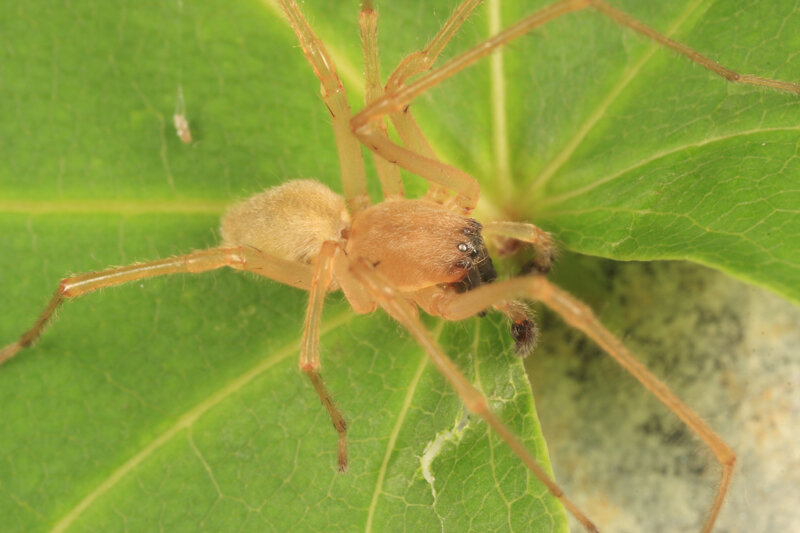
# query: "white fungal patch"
{"type": "Point", "coordinates": [434, 448]}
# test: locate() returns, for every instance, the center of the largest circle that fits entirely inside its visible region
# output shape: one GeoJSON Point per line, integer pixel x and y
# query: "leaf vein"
{"type": "Point", "coordinates": [563, 156]}
{"type": "Point", "coordinates": [390, 445]}
{"type": "Point", "coordinates": [185, 421]}
{"type": "Point", "coordinates": [656, 156]}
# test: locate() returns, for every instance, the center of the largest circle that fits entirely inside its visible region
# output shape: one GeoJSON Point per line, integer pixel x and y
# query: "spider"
{"type": "Point", "coordinates": [399, 254]}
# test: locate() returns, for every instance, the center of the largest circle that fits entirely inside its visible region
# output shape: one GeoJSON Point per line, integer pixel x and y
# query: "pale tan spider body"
{"type": "Point", "coordinates": [416, 244]}
{"type": "Point", "coordinates": [402, 254]}
{"type": "Point", "coordinates": [290, 221]}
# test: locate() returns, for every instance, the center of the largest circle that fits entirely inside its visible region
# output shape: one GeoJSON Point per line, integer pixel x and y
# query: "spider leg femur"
{"type": "Point", "coordinates": [237, 257]}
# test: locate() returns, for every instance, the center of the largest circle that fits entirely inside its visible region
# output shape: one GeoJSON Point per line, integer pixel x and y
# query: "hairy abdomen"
{"type": "Point", "coordinates": [290, 221]}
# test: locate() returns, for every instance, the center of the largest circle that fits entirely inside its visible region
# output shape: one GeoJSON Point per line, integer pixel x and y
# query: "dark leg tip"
{"type": "Point", "coordinates": [524, 333]}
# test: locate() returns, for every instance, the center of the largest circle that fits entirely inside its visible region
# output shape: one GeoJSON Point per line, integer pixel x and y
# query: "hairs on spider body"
{"type": "Point", "coordinates": [425, 250]}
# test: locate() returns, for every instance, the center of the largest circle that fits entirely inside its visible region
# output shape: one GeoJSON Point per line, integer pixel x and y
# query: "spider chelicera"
{"type": "Point", "coordinates": [403, 254]}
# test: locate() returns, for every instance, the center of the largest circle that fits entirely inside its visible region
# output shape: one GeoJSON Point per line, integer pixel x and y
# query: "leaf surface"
{"type": "Point", "coordinates": [177, 403]}
{"type": "Point", "coordinates": [656, 158]}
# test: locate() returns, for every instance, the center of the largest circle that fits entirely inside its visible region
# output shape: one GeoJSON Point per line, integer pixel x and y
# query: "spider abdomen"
{"type": "Point", "coordinates": [290, 221]}
{"type": "Point", "coordinates": [417, 243]}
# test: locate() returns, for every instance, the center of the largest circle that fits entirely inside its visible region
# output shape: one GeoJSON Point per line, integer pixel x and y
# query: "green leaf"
{"type": "Point", "coordinates": [652, 157]}
{"type": "Point", "coordinates": [176, 403]}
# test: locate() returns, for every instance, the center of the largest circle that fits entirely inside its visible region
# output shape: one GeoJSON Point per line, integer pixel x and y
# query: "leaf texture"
{"type": "Point", "coordinates": [177, 403]}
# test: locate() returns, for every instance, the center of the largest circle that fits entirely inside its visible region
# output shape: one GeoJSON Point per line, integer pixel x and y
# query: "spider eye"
{"type": "Point", "coordinates": [462, 247]}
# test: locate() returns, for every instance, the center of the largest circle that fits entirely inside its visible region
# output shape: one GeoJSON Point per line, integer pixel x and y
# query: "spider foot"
{"type": "Point", "coordinates": [525, 333]}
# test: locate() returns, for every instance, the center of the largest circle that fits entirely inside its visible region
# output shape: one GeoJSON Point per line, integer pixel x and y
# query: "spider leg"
{"type": "Point", "coordinates": [422, 60]}
{"type": "Point", "coordinates": [523, 326]}
{"type": "Point", "coordinates": [412, 137]}
{"type": "Point", "coordinates": [388, 173]}
{"type": "Point", "coordinates": [539, 239]}
{"type": "Point", "coordinates": [354, 181]}
{"type": "Point", "coordinates": [405, 313]}
{"type": "Point", "coordinates": [433, 170]}
{"type": "Point", "coordinates": [623, 19]}
{"type": "Point", "coordinates": [398, 97]}
{"type": "Point", "coordinates": [578, 315]}
{"type": "Point", "coordinates": [241, 258]}
{"type": "Point", "coordinates": [417, 63]}
{"type": "Point", "coordinates": [396, 100]}
{"type": "Point", "coordinates": [309, 348]}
